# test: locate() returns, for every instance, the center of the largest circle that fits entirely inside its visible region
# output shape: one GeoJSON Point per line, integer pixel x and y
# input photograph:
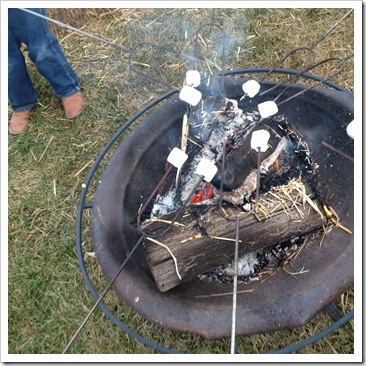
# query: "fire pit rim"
{"type": "Point", "coordinates": [100, 158]}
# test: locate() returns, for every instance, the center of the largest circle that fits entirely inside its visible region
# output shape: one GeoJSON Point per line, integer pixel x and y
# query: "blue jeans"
{"type": "Point", "coordinates": [44, 51]}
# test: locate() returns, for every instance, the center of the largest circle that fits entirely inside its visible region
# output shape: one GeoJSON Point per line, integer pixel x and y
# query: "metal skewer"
{"type": "Point", "coordinates": [124, 49]}
{"type": "Point", "coordinates": [235, 288]}
{"type": "Point", "coordinates": [311, 65]}
{"type": "Point", "coordinates": [258, 179]}
{"type": "Point", "coordinates": [101, 297]}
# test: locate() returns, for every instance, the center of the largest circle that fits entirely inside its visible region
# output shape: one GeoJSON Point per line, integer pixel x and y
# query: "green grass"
{"type": "Point", "coordinates": [48, 164]}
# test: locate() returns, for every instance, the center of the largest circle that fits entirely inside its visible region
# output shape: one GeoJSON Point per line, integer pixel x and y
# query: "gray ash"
{"type": "Point", "coordinates": [255, 266]}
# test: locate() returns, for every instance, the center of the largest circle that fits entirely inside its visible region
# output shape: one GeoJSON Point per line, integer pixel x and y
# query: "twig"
{"type": "Point", "coordinates": [197, 236]}
{"type": "Point", "coordinates": [293, 274]}
{"type": "Point", "coordinates": [170, 252]}
{"type": "Point", "coordinates": [83, 168]}
{"type": "Point", "coordinates": [34, 157]}
{"type": "Point", "coordinates": [223, 294]}
{"type": "Point", "coordinates": [194, 142]}
{"type": "Point", "coordinates": [221, 238]}
{"type": "Point", "coordinates": [155, 219]}
{"type": "Point", "coordinates": [337, 224]}
{"type": "Point", "coordinates": [44, 151]}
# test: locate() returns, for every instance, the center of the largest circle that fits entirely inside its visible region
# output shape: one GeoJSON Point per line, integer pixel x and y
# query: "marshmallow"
{"type": "Point", "coordinates": [190, 95]}
{"type": "Point", "coordinates": [267, 109]}
{"type": "Point", "coordinates": [260, 140]}
{"type": "Point", "coordinates": [193, 78]}
{"type": "Point", "coordinates": [251, 88]}
{"type": "Point", "coordinates": [206, 169]}
{"type": "Point", "coordinates": [177, 157]}
{"type": "Point", "coordinates": [351, 129]}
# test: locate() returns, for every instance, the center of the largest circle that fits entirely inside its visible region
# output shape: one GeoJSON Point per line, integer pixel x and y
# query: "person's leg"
{"type": "Point", "coordinates": [22, 96]}
{"type": "Point", "coordinates": [45, 52]}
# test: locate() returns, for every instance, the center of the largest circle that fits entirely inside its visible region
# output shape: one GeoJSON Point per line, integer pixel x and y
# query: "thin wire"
{"type": "Point", "coordinates": [258, 179]}
{"type": "Point", "coordinates": [311, 67]}
{"type": "Point", "coordinates": [331, 147]}
{"type": "Point", "coordinates": [335, 25]}
{"type": "Point", "coordinates": [283, 59]}
{"type": "Point", "coordinates": [236, 254]}
{"type": "Point", "coordinates": [306, 48]}
{"type": "Point", "coordinates": [124, 49]}
{"type": "Point", "coordinates": [153, 193]}
{"type": "Point", "coordinates": [317, 83]}
{"type": "Point", "coordinates": [235, 287]}
{"type": "Point", "coordinates": [221, 211]}
{"type": "Point", "coordinates": [103, 293]}
{"type": "Point", "coordinates": [163, 48]}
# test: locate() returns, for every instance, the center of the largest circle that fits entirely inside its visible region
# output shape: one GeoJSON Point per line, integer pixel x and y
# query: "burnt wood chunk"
{"type": "Point", "coordinates": [204, 239]}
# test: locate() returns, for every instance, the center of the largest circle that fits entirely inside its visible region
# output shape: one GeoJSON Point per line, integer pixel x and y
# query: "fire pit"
{"type": "Point", "coordinates": [282, 302]}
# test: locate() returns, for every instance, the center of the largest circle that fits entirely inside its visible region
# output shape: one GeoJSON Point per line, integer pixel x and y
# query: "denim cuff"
{"type": "Point", "coordinates": [24, 108]}
{"type": "Point", "coordinates": [69, 94]}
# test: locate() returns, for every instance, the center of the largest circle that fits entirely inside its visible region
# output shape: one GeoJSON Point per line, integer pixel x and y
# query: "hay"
{"type": "Point", "coordinates": [79, 18]}
{"type": "Point", "coordinates": [76, 18]}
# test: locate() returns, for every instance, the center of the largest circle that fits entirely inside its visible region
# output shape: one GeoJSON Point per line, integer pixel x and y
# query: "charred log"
{"type": "Point", "coordinates": [203, 238]}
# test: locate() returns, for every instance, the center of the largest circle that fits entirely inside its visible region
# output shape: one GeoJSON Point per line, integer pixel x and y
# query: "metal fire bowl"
{"type": "Point", "coordinates": [282, 302]}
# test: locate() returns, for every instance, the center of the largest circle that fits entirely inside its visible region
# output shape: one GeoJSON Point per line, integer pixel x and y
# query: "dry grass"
{"type": "Point", "coordinates": [47, 296]}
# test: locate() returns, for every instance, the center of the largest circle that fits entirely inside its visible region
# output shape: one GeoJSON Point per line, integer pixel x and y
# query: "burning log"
{"type": "Point", "coordinates": [204, 238]}
{"type": "Point", "coordinates": [245, 190]}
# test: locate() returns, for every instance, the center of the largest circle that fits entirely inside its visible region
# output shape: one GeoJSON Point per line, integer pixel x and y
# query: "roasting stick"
{"type": "Point", "coordinates": [258, 179]}
{"type": "Point", "coordinates": [129, 51]}
{"type": "Point", "coordinates": [101, 297]}
{"type": "Point", "coordinates": [235, 287]}
{"type": "Point", "coordinates": [310, 49]}
{"type": "Point", "coordinates": [259, 142]}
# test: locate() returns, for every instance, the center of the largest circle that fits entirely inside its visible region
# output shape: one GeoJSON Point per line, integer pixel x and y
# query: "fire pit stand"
{"type": "Point", "coordinates": [83, 205]}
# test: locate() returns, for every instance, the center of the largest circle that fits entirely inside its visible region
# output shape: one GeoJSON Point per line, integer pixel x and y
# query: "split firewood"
{"type": "Point", "coordinates": [204, 238]}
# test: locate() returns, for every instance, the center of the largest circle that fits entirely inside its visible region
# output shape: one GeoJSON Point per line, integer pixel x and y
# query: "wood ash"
{"type": "Point", "coordinates": [255, 266]}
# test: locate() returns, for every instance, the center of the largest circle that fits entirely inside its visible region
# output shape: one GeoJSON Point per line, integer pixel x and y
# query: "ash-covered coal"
{"type": "Point", "coordinates": [218, 127]}
{"type": "Point", "coordinates": [217, 122]}
{"type": "Point", "coordinates": [212, 130]}
{"type": "Point", "coordinates": [255, 266]}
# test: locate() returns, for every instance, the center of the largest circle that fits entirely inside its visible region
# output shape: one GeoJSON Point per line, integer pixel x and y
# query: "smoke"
{"type": "Point", "coordinates": [184, 35]}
